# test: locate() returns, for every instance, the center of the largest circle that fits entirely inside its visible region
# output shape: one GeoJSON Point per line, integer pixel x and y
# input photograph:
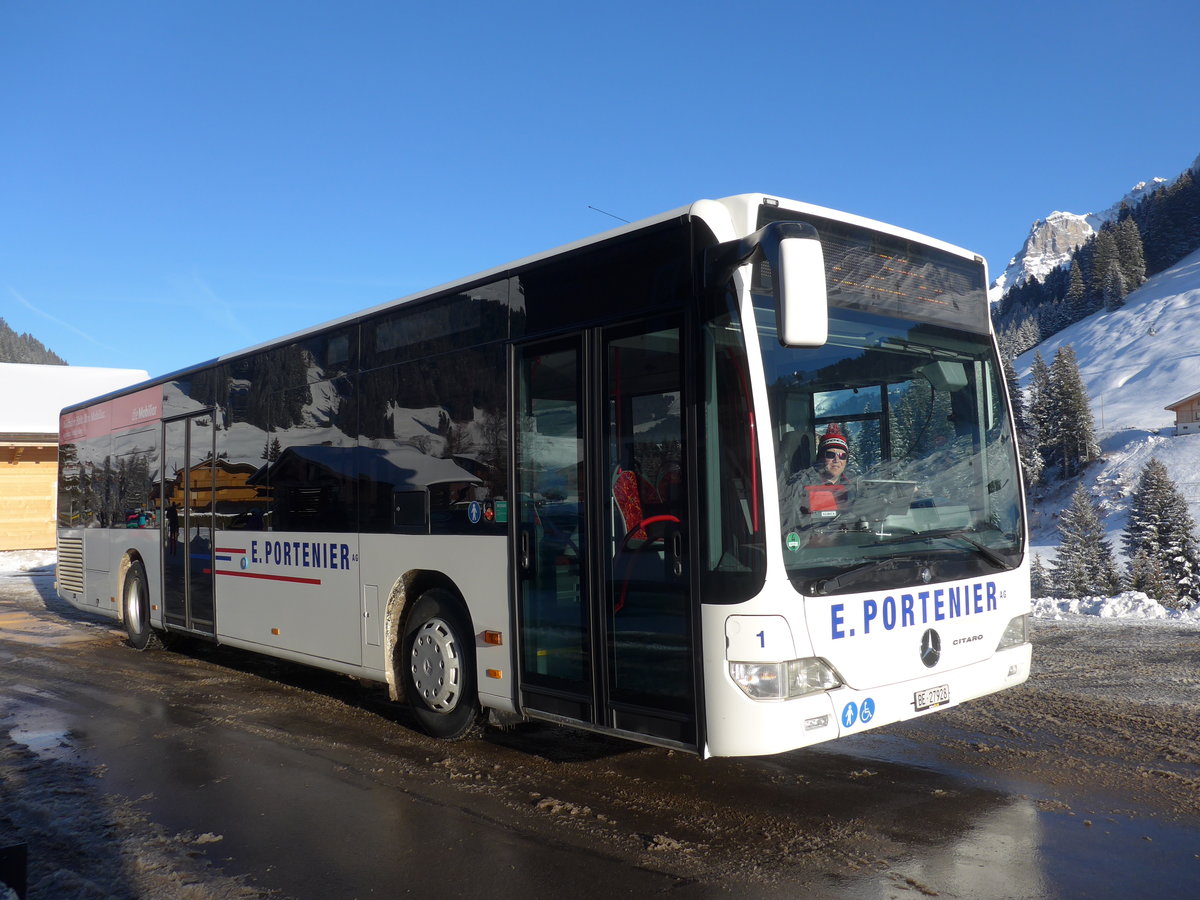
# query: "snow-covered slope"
{"type": "Point", "coordinates": [1139, 358]}
{"type": "Point", "coordinates": [1134, 361]}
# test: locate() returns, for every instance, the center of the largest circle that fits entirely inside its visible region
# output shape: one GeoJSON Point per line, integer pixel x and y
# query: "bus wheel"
{"type": "Point", "coordinates": [438, 661]}
{"type": "Point", "coordinates": [135, 608]}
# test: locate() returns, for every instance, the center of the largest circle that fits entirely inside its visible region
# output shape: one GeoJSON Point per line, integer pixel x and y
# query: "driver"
{"type": "Point", "coordinates": [832, 455]}
{"type": "Point", "coordinates": [823, 489]}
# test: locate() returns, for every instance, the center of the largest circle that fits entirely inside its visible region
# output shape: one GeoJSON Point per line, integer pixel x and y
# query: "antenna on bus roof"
{"type": "Point", "coordinates": [618, 218]}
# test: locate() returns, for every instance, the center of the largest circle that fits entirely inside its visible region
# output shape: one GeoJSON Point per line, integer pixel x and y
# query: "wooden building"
{"type": "Point", "coordinates": [28, 469]}
{"type": "Point", "coordinates": [30, 400]}
{"type": "Point", "coordinates": [1187, 414]}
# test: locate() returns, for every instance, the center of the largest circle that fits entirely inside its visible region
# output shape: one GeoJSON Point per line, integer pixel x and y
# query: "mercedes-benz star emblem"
{"type": "Point", "coordinates": [931, 648]}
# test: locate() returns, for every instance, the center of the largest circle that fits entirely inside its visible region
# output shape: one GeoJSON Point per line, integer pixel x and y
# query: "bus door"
{"type": "Point", "coordinates": [604, 601]}
{"type": "Point", "coordinates": [187, 522]}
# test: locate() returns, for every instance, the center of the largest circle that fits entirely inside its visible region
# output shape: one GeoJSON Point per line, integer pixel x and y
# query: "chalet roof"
{"type": "Point", "coordinates": [34, 395]}
{"type": "Point", "coordinates": [1179, 403]}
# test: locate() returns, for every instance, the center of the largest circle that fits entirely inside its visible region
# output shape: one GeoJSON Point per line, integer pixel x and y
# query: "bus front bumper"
{"type": "Point", "coordinates": [739, 726]}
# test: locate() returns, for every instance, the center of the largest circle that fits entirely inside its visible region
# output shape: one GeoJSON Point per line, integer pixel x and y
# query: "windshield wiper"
{"type": "Point", "coordinates": [858, 573]}
{"type": "Point", "coordinates": [983, 549]}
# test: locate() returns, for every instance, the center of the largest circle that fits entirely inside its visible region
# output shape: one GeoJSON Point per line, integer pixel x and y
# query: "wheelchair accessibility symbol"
{"type": "Point", "coordinates": [867, 712]}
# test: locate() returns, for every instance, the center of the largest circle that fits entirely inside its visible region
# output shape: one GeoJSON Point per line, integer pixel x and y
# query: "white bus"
{"type": "Point", "coordinates": [586, 488]}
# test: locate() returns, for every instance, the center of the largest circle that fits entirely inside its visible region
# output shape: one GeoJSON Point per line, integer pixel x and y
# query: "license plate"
{"type": "Point", "coordinates": [931, 698]}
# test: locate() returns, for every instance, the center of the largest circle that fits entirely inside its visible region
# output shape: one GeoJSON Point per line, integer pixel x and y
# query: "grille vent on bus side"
{"type": "Point", "coordinates": [70, 564]}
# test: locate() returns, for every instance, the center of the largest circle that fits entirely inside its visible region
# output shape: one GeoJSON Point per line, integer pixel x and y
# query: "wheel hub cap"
{"type": "Point", "coordinates": [436, 665]}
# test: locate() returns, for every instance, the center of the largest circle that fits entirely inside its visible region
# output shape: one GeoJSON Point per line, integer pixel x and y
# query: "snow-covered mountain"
{"type": "Point", "coordinates": [1050, 244]}
{"type": "Point", "coordinates": [1052, 240]}
{"type": "Point", "coordinates": [1134, 361]}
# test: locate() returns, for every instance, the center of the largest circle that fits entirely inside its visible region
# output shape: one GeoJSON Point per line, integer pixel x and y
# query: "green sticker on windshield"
{"type": "Point", "coordinates": [793, 541]}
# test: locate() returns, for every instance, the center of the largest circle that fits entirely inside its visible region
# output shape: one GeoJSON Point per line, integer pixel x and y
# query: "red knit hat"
{"type": "Point", "coordinates": [832, 439]}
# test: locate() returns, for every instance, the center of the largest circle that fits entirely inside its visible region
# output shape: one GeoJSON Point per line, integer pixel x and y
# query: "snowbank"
{"type": "Point", "coordinates": [1127, 605]}
{"type": "Point", "coordinates": [14, 562]}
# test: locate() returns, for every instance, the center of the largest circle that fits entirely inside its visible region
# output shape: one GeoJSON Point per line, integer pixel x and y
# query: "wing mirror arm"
{"type": "Point", "coordinates": [793, 251]}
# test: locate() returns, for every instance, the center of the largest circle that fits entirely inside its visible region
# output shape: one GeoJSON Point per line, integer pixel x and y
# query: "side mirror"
{"type": "Point", "coordinates": [801, 302]}
{"type": "Point", "coordinates": [792, 251]}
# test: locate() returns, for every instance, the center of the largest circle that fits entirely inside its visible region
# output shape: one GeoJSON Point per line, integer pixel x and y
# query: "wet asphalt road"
{"type": "Point", "coordinates": [204, 772]}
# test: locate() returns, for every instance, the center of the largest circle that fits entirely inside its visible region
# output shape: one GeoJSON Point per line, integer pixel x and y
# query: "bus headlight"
{"type": "Point", "coordinates": [783, 680]}
{"type": "Point", "coordinates": [1015, 634]}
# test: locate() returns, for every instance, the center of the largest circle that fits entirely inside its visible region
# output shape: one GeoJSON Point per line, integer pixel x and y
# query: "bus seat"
{"type": "Point", "coordinates": [632, 493]}
{"type": "Point", "coordinates": [802, 456]}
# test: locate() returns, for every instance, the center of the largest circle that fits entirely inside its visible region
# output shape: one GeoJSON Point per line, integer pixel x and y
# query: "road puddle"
{"type": "Point", "coordinates": [44, 731]}
{"type": "Point", "coordinates": [22, 627]}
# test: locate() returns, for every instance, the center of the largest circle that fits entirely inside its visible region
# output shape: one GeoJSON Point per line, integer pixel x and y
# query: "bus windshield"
{"type": "Point", "coordinates": [894, 451]}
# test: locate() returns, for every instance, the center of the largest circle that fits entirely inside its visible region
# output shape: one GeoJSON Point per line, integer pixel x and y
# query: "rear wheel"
{"type": "Point", "coordinates": [135, 608]}
{"type": "Point", "coordinates": [438, 662]}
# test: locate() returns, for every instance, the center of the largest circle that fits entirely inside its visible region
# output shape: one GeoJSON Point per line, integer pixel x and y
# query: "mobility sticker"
{"type": "Point", "coordinates": [852, 712]}
{"type": "Point", "coordinates": [849, 714]}
{"type": "Point", "coordinates": [867, 711]}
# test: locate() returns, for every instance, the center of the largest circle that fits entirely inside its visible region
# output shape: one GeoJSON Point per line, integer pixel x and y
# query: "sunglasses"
{"type": "Point", "coordinates": [835, 454]}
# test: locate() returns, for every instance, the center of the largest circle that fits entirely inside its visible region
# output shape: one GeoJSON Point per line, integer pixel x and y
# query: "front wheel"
{"type": "Point", "coordinates": [135, 608]}
{"type": "Point", "coordinates": [438, 661]}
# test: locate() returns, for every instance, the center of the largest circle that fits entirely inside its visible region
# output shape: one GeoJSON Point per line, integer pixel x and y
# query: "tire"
{"type": "Point", "coordinates": [135, 609]}
{"type": "Point", "coordinates": [437, 658]}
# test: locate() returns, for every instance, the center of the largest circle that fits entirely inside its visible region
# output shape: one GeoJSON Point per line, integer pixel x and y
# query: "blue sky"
{"type": "Point", "coordinates": [183, 179]}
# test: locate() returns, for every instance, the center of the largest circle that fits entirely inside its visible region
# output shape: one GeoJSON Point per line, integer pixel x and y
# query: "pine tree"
{"type": "Point", "coordinates": [1040, 425]}
{"type": "Point", "coordinates": [1027, 439]}
{"type": "Point", "coordinates": [1039, 581]}
{"type": "Point", "coordinates": [1030, 333]}
{"type": "Point", "coordinates": [1084, 566]}
{"type": "Point", "coordinates": [1014, 393]}
{"type": "Point", "coordinates": [1170, 223]}
{"type": "Point", "coordinates": [1146, 574]}
{"type": "Point", "coordinates": [25, 348]}
{"type": "Point", "coordinates": [1161, 539]}
{"type": "Point", "coordinates": [1072, 439]}
{"type": "Point", "coordinates": [1032, 466]}
{"type": "Point", "coordinates": [1131, 255]}
{"type": "Point", "coordinates": [1076, 296]}
{"type": "Point", "coordinates": [1105, 256]}
{"type": "Point", "coordinates": [1053, 318]}
{"type": "Point", "coordinates": [1114, 287]}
